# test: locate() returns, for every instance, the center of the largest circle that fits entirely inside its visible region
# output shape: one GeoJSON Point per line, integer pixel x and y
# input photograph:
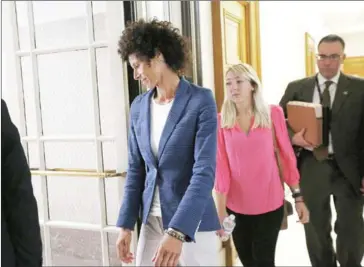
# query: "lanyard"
{"type": "Point", "coordinates": [318, 89]}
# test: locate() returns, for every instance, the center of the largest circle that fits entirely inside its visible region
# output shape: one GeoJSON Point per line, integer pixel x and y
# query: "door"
{"type": "Point", "coordinates": [69, 94]}
{"type": "Point", "coordinates": [236, 39]}
{"type": "Point", "coordinates": [66, 92]}
{"type": "Point", "coordinates": [354, 66]}
{"type": "Point", "coordinates": [234, 32]}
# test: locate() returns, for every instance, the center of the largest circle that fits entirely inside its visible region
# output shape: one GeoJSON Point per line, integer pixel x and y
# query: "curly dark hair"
{"type": "Point", "coordinates": [146, 39]}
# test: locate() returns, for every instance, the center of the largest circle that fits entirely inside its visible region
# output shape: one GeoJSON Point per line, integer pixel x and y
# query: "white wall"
{"type": "Point", "coordinates": [354, 44]}
{"type": "Point", "coordinates": [282, 28]}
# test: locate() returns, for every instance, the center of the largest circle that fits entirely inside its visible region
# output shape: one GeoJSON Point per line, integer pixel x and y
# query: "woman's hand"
{"type": "Point", "coordinates": [222, 215]}
{"type": "Point", "coordinates": [123, 246]}
{"type": "Point", "coordinates": [220, 233]}
{"type": "Point", "coordinates": [302, 211]}
{"type": "Point", "coordinates": [168, 252]}
{"type": "Point", "coordinates": [221, 211]}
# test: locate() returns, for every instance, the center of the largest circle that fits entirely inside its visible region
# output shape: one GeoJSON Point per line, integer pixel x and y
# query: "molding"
{"type": "Point", "coordinates": [253, 46]}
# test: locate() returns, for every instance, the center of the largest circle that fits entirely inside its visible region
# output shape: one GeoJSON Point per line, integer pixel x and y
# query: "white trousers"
{"type": "Point", "coordinates": [205, 252]}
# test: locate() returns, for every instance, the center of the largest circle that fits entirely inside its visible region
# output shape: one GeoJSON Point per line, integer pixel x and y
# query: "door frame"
{"type": "Point", "coordinates": [310, 47]}
{"type": "Point", "coordinates": [254, 57]}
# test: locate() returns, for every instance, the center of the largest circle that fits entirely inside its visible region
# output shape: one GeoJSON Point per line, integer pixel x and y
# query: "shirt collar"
{"type": "Point", "coordinates": [322, 79]}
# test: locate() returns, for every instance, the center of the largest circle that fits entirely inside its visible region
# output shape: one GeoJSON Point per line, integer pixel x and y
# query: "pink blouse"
{"type": "Point", "coordinates": [246, 170]}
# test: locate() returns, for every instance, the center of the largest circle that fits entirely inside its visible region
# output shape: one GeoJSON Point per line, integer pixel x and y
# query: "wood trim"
{"type": "Point", "coordinates": [254, 35]}
{"type": "Point", "coordinates": [230, 253]}
{"type": "Point", "coordinates": [253, 45]}
{"type": "Point", "coordinates": [310, 67]}
{"type": "Point", "coordinates": [248, 30]}
{"type": "Point", "coordinates": [217, 53]}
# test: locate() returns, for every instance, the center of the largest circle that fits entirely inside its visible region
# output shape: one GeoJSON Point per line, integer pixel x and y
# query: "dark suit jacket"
{"type": "Point", "coordinates": [185, 167]}
{"type": "Point", "coordinates": [21, 243]}
{"type": "Point", "coordinates": [347, 123]}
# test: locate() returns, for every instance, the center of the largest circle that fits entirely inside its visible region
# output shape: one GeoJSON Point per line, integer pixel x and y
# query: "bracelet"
{"type": "Point", "coordinates": [173, 233]}
{"type": "Point", "coordinates": [297, 201]}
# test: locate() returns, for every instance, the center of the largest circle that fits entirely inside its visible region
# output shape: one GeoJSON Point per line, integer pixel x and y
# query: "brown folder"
{"type": "Point", "coordinates": [303, 115]}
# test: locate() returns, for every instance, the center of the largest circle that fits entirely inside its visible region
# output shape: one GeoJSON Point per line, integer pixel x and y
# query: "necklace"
{"type": "Point", "coordinates": [165, 100]}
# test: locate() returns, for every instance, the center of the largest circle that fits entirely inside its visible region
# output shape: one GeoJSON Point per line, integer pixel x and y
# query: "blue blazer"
{"type": "Point", "coordinates": [184, 169]}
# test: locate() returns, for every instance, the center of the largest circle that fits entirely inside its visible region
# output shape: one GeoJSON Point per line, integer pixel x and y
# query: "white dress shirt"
{"type": "Point", "coordinates": [332, 91]}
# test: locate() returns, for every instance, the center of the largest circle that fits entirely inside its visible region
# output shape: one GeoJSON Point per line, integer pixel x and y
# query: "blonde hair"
{"type": "Point", "coordinates": [261, 109]}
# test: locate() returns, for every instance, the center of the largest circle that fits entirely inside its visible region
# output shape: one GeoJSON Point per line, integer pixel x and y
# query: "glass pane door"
{"type": "Point", "coordinates": [66, 92]}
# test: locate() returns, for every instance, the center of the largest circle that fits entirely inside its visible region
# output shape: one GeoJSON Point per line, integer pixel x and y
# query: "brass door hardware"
{"type": "Point", "coordinates": [77, 172]}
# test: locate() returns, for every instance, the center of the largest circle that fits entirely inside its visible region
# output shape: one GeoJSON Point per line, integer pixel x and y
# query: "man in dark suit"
{"type": "Point", "coordinates": [337, 167]}
{"type": "Point", "coordinates": [21, 243]}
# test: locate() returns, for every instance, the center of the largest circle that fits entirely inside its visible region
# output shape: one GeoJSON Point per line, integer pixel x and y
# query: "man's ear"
{"type": "Point", "coordinates": [343, 58]}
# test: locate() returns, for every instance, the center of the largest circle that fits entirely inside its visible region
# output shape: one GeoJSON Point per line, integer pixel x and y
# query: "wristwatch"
{"type": "Point", "coordinates": [296, 190]}
{"type": "Point", "coordinates": [296, 193]}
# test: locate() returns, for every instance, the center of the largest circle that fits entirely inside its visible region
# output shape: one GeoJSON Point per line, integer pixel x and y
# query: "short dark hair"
{"type": "Point", "coordinates": [145, 39]}
{"type": "Point", "coordinates": [332, 38]}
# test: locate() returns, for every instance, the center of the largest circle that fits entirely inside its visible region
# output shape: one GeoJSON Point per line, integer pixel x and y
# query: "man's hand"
{"type": "Point", "coordinates": [123, 246]}
{"type": "Point", "coordinates": [299, 140]}
{"type": "Point", "coordinates": [168, 252]}
{"type": "Point", "coordinates": [362, 186]}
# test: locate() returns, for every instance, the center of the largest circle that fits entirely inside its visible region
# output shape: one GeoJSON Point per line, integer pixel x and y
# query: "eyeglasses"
{"type": "Point", "coordinates": [329, 57]}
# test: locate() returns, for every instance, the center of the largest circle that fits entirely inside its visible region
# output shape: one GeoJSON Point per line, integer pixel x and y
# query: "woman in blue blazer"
{"type": "Point", "coordinates": [172, 154]}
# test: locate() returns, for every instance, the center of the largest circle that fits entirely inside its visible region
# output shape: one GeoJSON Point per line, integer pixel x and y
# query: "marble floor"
{"type": "Point", "coordinates": [291, 247]}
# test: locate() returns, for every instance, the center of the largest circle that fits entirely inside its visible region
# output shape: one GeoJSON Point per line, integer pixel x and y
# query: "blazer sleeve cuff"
{"type": "Point", "coordinates": [124, 222]}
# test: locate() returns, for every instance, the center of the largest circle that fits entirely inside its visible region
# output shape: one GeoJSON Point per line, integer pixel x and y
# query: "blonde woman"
{"type": "Point", "coordinates": [248, 184]}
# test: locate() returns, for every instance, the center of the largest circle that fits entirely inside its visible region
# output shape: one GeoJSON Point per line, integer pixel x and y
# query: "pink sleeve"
{"type": "Point", "coordinates": [222, 181]}
{"type": "Point", "coordinates": [291, 175]}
